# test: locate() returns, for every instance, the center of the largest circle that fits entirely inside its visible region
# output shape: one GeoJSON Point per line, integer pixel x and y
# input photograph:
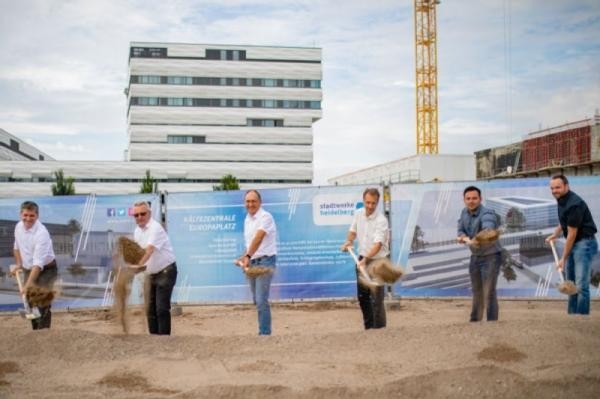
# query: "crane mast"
{"type": "Point", "coordinates": [426, 76]}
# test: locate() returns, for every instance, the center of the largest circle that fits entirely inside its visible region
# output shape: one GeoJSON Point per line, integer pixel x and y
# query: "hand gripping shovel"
{"type": "Point", "coordinates": [565, 287]}
{"type": "Point", "coordinates": [29, 313]}
{"type": "Point", "coordinates": [363, 277]}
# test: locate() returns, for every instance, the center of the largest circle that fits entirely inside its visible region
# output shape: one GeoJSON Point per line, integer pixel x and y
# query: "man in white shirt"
{"type": "Point", "coordinates": [260, 236]}
{"type": "Point", "coordinates": [35, 256]}
{"type": "Point", "coordinates": [371, 229]}
{"type": "Point", "coordinates": [159, 263]}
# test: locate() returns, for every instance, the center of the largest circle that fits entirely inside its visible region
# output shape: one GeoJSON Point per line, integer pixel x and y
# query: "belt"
{"type": "Point", "coordinates": [587, 238]}
{"type": "Point", "coordinates": [263, 257]}
{"type": "Point", "coordinates": [50, 265]}
{"type": "Point", "coordinates": [165, 270]}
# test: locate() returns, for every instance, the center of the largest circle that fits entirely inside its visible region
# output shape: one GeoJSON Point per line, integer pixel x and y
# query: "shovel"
{"type": "Point", "coordinates": [364, 276]}
{"type": "Point", "coordinates": [29, 313]}
{"type": "Point", "coordinates": [565, 287]}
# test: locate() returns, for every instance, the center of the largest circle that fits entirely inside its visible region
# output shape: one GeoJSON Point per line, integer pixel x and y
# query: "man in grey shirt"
{"type": "Point", "coordinates": [486, 259]}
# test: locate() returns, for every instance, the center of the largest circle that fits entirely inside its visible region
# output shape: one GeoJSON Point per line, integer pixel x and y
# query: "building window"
{"type": "Point", "coordinates": [208, 81]}
{"type": "Point", "coordinates": [231, 55]}
{"type": "Point", "coordinates": [223, 102]}
{"type": "Point", "coordinates": [265, 122]}
{"type": "Point", "coordinates": [148, 52]}
{"type": "Point", "coordinates": [179, 80]}
{"type": "Point", "coordinates": [14, 145]}
{"type": "Point", "coordinates": [186, 139]}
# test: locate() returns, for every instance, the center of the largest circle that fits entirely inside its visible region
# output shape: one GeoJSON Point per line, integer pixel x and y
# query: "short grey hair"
{"type": "Point", "coordinates": [143, 203]}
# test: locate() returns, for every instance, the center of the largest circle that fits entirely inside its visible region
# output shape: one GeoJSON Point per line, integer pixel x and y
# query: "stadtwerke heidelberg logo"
{"type": "Point", "coordinates": [335, 209]}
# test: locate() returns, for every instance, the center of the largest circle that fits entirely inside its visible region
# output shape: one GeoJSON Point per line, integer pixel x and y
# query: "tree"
{"type": "Point", "coordinates": [228, 182]}
{"type": "Point", "coordinates": [63, 186]}
{"type": "Point", "coordinates": [149, 184]}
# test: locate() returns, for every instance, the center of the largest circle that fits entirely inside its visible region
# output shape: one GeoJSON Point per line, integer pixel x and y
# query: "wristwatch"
{"type": "Point", "coordinates": [248, 256]}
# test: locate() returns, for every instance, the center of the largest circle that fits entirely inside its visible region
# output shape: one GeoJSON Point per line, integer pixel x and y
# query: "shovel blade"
{"type": "Point", "coordinates": [34, 314]}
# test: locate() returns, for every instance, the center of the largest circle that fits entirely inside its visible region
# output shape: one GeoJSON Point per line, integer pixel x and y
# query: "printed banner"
{"type": "Point", "coordinates": [206, 229]}
{"type": "Point", "coordinates": [424, 223]}
{"type": "Point", "coordinates": [83, 230]}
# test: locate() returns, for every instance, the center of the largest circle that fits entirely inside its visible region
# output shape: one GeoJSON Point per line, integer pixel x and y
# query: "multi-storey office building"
{"type": "Point", "coordinates": [196, 113]}
{"type": "Point", "coordinates": [241, 110]}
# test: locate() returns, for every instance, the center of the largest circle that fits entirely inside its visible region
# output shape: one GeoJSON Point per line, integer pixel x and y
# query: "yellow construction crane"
{"type": "Point", "coordinates": [426, 76]}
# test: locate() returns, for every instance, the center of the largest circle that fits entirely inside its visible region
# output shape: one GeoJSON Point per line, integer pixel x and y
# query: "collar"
{"type": "Point", "coordinates": [476, 212]}
{"type": "Point", "coordinates": [147, 225]}
{"type": "Point", "coordinates": [371, 216]}
{"type": "Point", "coordinates": [253, 217]}
{"type": "Point", "coordinates": [33, 228]}
{"type": "Point", "coordinates": [563, 200]}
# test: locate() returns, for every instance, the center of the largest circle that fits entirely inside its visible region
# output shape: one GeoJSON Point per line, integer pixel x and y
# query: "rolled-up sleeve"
{"type": "Point", "coordinates": [489, 220]}
{"type": "Point", "coordinates": [381, 230]}
{"type": "Point", "coordinates": [43, 246]}
{"type": "Point", "coordinates": [157, 237]}
{"type": "Point", "coordinates": [266, 224]}
{"type": "Point", "coordinates": [460, 227]}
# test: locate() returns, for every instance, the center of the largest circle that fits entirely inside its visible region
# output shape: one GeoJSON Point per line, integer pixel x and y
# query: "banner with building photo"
{"type": "Point", "coordinates": [83, 231]}
{"type": "Point", "coordinates": [424, 219]}
{"type": "Point", "coordinates": [206, 229]}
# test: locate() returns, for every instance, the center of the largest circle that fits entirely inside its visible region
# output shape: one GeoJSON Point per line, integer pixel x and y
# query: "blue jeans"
{"type": "Point", "coordinates": [578, 270]}
{"type": "Point", "coordinates": [484, 272]}
{"type": "Point", "coordinates": [260, 287]}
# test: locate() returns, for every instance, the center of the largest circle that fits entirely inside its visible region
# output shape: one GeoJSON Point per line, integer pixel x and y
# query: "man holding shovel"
{"type": "Point", "coordinates": [34, 255]}
{"type": "Point", "coordinates": [486, 258]}
{"type": "Point", "coordinates": [159, 264]}
{"type": "Point", "coordinates": [371, 229]}
{"type": "Point", "coordinates": [579, 229]}
{"type": "Point", "coordinates": [260, 237]}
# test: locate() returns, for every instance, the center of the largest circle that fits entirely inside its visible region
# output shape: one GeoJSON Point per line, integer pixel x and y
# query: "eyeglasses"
{"type": "Point", "coordinates": [136, 215]}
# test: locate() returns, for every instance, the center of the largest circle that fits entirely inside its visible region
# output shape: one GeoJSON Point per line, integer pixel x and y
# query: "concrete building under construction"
{"type": "Point", "coordinates": [571, 149]}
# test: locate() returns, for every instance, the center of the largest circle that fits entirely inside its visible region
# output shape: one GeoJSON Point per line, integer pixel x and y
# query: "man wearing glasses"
{"type": "Point", "coordinates": [159, 263]}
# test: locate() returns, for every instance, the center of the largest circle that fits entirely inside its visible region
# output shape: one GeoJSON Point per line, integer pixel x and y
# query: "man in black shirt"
{"type": "Point", "coordinates": [577, 226]}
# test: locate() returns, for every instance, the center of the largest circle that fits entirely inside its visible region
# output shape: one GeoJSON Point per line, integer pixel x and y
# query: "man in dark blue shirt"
{"type": "Point", "coordinates": [484, 266]}
{"type": "Point", "coordinates": [579, 229]}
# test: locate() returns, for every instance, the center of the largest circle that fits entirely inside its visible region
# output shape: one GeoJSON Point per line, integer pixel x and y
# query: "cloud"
{"type": "Point", "coordinates": [504, 68]}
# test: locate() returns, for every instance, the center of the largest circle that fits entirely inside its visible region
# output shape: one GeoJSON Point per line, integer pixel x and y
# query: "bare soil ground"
{"type": "Point", "coordinates": [318, 350]}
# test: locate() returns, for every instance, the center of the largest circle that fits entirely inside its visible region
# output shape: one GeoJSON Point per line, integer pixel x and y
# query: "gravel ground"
{"type": "Point", "coordinates": [318, 350]}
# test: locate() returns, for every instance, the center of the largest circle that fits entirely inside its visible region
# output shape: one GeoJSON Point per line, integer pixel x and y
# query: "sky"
{"type": "Point", "coordinates": [506, 68]}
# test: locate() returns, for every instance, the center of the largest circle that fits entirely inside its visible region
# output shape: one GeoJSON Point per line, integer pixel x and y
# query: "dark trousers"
{"type": "Point", "coordinates": [159, 300]}
{"type": "Point", "coordinates": [371, 304]}
{"type": "Point", "coordinates": [484, 272]}
{"type": "Point", "coordinates": [45, 279]}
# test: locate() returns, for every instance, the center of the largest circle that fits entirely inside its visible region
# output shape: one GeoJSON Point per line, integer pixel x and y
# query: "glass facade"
{"type": "Point", "coordinates": [179, 139]}
{"type": "Point", "coordinates": [222, 102]}
{"type": "Point", "coordinates": [208, 81]}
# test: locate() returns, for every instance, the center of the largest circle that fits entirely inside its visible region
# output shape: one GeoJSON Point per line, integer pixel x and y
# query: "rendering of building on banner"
{"type": "Point", "coordinates": [195, 113]}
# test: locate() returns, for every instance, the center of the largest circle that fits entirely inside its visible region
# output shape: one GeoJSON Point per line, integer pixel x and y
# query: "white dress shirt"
{"type": "Point", "coordinates": [34, 245]}
{"type": "Point", "coordinates": [154, 234]}
{"type": "Point", "coordinates": [370, 230]}
{"type": "Point", "coordinates": [261, 220]}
